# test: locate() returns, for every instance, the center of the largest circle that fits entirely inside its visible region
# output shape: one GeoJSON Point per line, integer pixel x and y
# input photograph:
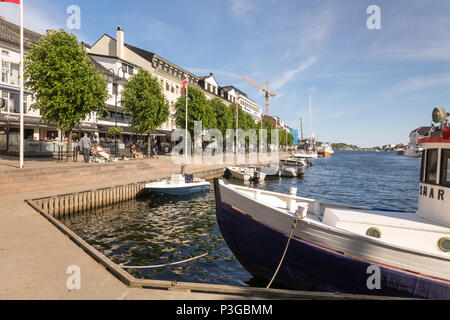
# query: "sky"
{"type": "Point", "coordinates": [368, 87]}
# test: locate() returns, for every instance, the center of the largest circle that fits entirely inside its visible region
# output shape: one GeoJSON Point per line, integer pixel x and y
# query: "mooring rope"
{"type": "Point", "coordinates": [294, 225]}
{"type": "Point", "coordinates": [165, 265]}
{"type": "Point", "coordinates": [169, 264]}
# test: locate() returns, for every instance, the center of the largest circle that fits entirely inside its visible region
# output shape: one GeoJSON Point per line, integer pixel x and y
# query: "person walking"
{"type": "Point", "coordinates": [85, 144]}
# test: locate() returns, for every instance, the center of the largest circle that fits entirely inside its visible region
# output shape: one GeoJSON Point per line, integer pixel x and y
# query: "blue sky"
{"type": "Point", "coordinates": [368, 87]}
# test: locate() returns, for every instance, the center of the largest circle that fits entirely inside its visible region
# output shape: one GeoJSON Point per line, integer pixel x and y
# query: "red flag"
{"type": "Point", "coordinates": [12, 1]}
{"type": "Point", "coordinates": [185, 82]}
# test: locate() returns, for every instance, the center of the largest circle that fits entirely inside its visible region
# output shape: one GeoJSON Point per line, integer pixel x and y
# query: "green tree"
{"type": "Point", "coordinates": [67, 86]}
{"type": "Point", "coordinates": [290, 139]}
{"type": "Point", "coordinates": [199, 109]}
{"type": "Point", "coordinates": [143, 99]}
{"type": "Point", "coordinates": [224, 115]}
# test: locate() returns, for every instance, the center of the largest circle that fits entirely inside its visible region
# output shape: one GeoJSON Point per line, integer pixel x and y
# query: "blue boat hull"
{"type": "Point", "coordinates": [182, 191]}
{"type": "Point", "coordinates": [309, 267]}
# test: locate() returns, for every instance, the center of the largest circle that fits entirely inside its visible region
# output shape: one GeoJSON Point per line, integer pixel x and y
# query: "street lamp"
{"type": "Point", "coordinates": [115, 83]}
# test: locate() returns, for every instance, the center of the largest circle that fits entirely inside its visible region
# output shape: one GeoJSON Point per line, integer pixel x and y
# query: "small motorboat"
{"type": "Point", "coordinates": [269, 171]}
{"type": "Point", "coordinates": [245, 174]}
{"type": "Point", "coordinates": [342, 248]}
{"type": "Point", "coordinates": [297, 162]}
{"type": "Point", "coordinates": [288, 172]}
{"type": "Point", "coordinates": [303, 154]}
{"type": "Point", "coordinates": [178, 185]}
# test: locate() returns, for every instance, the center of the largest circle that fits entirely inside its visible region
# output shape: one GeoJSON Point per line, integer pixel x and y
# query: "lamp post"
{"type": "Point", "coordinates": [115, 83]}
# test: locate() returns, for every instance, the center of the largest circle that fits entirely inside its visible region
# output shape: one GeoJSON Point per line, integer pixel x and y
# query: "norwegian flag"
{"type": "Point", "coordinates": [185, 82]}
{"type": "Point", "coordinates": [12, 1]}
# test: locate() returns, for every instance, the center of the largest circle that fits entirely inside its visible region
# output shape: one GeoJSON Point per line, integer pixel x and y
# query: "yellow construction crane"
{"type": "Point", "coordinates": [265, 90]}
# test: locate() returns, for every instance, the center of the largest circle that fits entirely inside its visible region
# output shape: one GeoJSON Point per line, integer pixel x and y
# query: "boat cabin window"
{"type": "Point", "coordinates": [445, 168]}
{"type": "Point", "coordinates": [432, 161]}
{"type": "Point", "coordinates": [422, 167]}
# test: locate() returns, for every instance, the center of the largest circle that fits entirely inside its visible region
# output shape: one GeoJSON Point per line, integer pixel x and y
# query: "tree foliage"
{"type": "Point", "coordinates": [224, 115]}
{"type": "Point", "coordinates": [144, 101]}
{"type": "Point", "coordinates": [65, 82]}
{"type": "Point", "coordinates": [199, 109]}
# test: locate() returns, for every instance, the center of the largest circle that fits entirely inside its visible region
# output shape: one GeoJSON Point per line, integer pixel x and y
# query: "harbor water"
{"type": "Point", "coordinates": [155, 230]}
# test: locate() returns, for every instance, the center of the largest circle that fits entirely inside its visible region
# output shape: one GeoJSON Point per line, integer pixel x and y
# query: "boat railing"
{"type": "Point", "coordinates": [292, 201]}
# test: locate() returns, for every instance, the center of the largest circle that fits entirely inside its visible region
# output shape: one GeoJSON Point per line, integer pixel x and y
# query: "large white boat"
{"type": "Point", "coordinates": [335, 247]}
{"type": "Point", "coordinates": [325, 149]}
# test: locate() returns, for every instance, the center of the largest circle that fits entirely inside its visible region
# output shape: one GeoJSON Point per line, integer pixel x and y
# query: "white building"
{"type": "Point", "coordinates": [418, 134]}
{"type": "Point", "coordinates": [248, 105]}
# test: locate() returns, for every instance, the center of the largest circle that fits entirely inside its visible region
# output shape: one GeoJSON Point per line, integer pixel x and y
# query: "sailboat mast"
{"type": "Point", "coordinates": [301, 127]}
{"type": "Point", "coordinates": [310, 119]}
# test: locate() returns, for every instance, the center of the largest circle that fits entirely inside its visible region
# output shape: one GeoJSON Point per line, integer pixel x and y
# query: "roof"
{"type": "Point", "coordinates": [147, 55]}
{"type": "Point", "coordinates": [423, 131]}
{"type": "Point", "coordinates": [10, 33]}
{"type": "Point", "coordinates": [101, 68]}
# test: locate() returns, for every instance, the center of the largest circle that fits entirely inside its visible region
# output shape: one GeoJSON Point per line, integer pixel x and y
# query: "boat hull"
{"type": "Point", "coordinates": [307, 266]}
{"type": "Point", "coordinates": [179, 191]}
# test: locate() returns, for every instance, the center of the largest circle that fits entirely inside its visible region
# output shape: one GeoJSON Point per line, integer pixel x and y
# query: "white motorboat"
{"type": "Point", "coordinates": [413, 152]}
{"type": "Point", "coordinates": [270, 170]}
{"type": "Point", "coordinates": [246, 174]}
{"type": "Point", "coordinates": [342, 248]}
{"type": "Point", "coordinates": [298, 162]}
{"type": "Point", "coordinates": [288, 172]}
{"type": "Point", "coordinates": [178, 185]}
{"type": "Point", "coordinates": [303, 154]}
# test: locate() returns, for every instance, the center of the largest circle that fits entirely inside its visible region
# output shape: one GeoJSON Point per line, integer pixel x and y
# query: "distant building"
{"type": "Point", "coordinates": [294, 133]}
{"type": "Point", "coordinates": [248, 105]}
{"type": "Point", "coordinates": [418, 134]}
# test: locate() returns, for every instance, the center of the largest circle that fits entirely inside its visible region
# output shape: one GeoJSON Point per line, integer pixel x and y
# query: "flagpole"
{"type": "Point", "coordinates": [21, 86]}
{"type": "Point", "coordinates": [186, 133]}
{"type": "Point", "coordinates": [237, 128]}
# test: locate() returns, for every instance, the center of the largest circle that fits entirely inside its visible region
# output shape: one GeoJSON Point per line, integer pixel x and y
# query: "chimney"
{"type": "Point", "coordinates": [120, 50]}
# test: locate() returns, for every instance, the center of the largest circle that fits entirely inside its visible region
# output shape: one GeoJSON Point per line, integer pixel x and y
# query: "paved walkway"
{"type": "Point", "coordinates": [35, 255]}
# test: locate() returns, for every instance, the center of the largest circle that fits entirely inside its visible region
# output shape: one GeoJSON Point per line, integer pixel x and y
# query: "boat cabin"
{"type": "Point", "coordinates": [434, 192]}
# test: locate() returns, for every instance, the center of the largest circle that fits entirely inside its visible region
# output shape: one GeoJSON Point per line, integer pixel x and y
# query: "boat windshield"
{"type": "Point", "coordinates": [445, 168]}
{"type": "Point", "coordinates": [431, 166]}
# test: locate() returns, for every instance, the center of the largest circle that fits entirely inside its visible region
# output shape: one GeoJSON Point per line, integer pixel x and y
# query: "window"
{"type": "Point", "coordinates": [14, 74]}
{"type": "Point", "coordinates": [444, 244]}
{"type": "Point", "coordinates": [432, 160]}
{"type": "Point", "coordinates": [5, 96]}
{"type": "Point", "coordinates": [5, 71]}
{"type": "Point", "coordinates": [130, 70]}
{"type": "Point", "coordinates": [374, 232]}
{"type": "Point", "coordinates": [445, 168]}
{"type": "Point", "coordinates": [167, 86]}
{"type": "Point", "coordinates": [124, 68]}
{"type": "Point", "coordinates": [5, 53]}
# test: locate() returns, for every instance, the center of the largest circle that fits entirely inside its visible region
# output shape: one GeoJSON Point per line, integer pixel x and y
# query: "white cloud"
{"type": "Point", "coordinates": [36, 19]}
{"type": "Point", "coordinates": [288, 75]}
{"type": "Point", "coordinates": [239, 7]}
{"type": "Point", "coordinates": [420, 83]}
